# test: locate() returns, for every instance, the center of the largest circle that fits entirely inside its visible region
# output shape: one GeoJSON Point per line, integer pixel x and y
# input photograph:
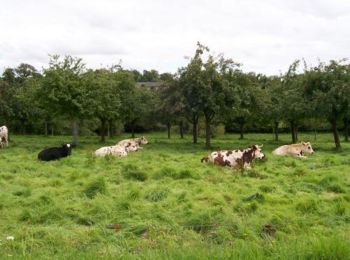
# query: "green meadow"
{"type": "Point", "coordinates": [169, 205]}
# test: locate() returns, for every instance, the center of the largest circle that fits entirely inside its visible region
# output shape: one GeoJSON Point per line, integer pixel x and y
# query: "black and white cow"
{"type": "Point", "coordinates": [55, 153]}
{"type": "Point", "coordinates": [4, 132]}
{"type": "Point", "coordinates": [235, 158]}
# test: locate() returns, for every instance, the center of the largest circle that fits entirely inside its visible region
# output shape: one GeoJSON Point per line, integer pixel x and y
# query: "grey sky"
{"type": "Point", "coordinates": [264, 35]}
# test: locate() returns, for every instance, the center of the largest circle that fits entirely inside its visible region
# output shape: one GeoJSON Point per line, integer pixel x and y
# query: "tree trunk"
{"type": "Point", "coordinates": [23, 128]}
{"type": "Point", "coordinates": [132, 130]}
{"type": "Point", "coordinates": [52, 132]}
{"type": "Point", "coordinates": [207, 133]}
{"type": "Point", "coordinates": [346, 130]}
{"type": "Point", "coordinates": [168, 125]}
{"type": "Point", "coordinates": [75, 131]}
{"type": "Point", "coordinates": [195, 129]}
{"type": "Point", "coordinates": [109, 129]}
{"type": "Point", "coordinates": [292, 128]}
{"type": "Point", "coordinates": [181, 126]}
{"type": "Point", "coordinates": [103, 130]}
{"type": "Point", "coordinates": [46, 130]}
{"type": "Point", "coordinates": [241, 131]}
{"type": "Point", "coordinates": [335, 134]}
{"type": "Point", "coordinates": [315, 134]}
{"type": "Point", "coordinates": [275, 130]}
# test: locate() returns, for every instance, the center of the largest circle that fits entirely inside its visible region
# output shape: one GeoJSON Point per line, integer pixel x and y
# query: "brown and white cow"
{"type": "Point", "coordinates": [297, 150]}
{"type": "Point", "coordinates": [4, 136]}
{"type": "Point", "coordinates": [236, 158]}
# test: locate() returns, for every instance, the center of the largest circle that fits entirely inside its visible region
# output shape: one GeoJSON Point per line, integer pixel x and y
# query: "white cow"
{"type": "Point", "coordinates": [4, 132]}
{"type": "Point", "coordinates": [115, 150]}
{"type": "Point", "coordinates": [133, 144]}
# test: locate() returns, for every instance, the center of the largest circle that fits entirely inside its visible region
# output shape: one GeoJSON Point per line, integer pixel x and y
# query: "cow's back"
{"type": "Point", "coordinates": [53, 153]}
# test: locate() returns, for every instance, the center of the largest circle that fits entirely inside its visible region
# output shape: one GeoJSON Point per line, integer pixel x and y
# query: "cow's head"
{"type": "Point", "coordinates": [257, 152]}
{"type": "Point", "coordinates": [143, 140]}
{"type": "Point", "coordinates": [307, 148]}
{"type": "Point", "coordinates": [68, 147]}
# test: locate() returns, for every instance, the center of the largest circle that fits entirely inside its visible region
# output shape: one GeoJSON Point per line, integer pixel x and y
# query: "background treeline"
{"type": "Point", "coordinates": [209, 96]}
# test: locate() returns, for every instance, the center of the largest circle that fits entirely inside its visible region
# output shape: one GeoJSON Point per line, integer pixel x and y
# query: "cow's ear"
{"type": "Point", "coordinates": [303, 143]}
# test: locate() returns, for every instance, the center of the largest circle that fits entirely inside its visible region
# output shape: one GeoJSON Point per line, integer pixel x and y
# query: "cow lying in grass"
{"type": "Point", "coordinates": [235, 158]}
{"type": "Point", "coordinates": [116, 150]}
{"type": "Point", "coordinates": [297, 150]}
{"type": "Point", "coordinates": [4, 136]}
{"type": "Point", "coordinates": [137, 141]}
{"type": "Point", "coordinates": [55, 153]}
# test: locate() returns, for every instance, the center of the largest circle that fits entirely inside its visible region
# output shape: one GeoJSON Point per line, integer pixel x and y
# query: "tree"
{"type": "Point", "coordinates": [150, 75]}
{"type": "Point", "coordinates": [272, 104]}
{"type": "Point", "coordinates": [327, 88]}
{"type": "Point", "coordinates": [137, 103]}
{"type": "Point", "coordinates": [17, 95]}
{"type": "Point", "coordinates": [293, 103]}
{"type": "Point", "coordinates": [101, 94]}
{"type": "Point", "coordinates": [62, 90]}
{"type": "Point", "coordinates": [171, 104]}
{"type": "Point", "coordinates": [246, 94]}
{"type": "Point", "coordinates": [204, 90]}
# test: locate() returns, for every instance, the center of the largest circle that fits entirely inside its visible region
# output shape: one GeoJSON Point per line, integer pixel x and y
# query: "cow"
{"type": "Point", "coordinates": [133, 144]}
{"type": "Point", "coordinates": [4, 136]}
{"type": "Point", "coordinates": [236, 158]}
{"type": "Point", "coordinates": [55, 153]}
{"type": "Point", "coordinates": [140, 141]}
{"type": "Point", "coordinates": [116, 150]}
{"type": "Point", "coordinates": [296, 150]}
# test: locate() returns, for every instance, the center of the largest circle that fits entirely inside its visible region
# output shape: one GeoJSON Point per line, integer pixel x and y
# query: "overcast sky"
{"type": "Point", "coordinates": [264, 35]}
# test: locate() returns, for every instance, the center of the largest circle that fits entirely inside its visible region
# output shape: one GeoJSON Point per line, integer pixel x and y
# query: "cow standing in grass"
{"type": "Point", "coordinates": [235, 158]}
{"type": "Point", "coordinates": [55, 153]}
{"type": "Point", "coordinates": [4, 136]}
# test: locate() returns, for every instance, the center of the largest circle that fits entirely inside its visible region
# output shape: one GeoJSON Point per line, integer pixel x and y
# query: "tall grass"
{"type": "Point", "coordinates": [168, 205]}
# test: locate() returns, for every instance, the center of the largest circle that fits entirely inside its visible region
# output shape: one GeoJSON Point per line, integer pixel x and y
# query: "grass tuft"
{"type": "Point", "coordinates": [96, 186]}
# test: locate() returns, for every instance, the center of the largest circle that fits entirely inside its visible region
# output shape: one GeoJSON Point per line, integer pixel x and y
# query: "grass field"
{"type": "Point", "coordinates": [169, 205]}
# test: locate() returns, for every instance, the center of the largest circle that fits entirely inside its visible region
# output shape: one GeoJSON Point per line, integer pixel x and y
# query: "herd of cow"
{"type": "Point", "coordinates": [120, 150]}
{"type": "Point", "coordinates": [244, 158]}
{"type": "Point", "coordinates": [234, 158]}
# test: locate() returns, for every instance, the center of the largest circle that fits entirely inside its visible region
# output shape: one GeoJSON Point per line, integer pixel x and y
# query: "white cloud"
{"type": "Point", "coordinates": [266, 36]}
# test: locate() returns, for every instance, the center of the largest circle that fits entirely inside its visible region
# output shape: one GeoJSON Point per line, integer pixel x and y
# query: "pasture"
{"type": "Point", "coordinates": [170, 205]}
